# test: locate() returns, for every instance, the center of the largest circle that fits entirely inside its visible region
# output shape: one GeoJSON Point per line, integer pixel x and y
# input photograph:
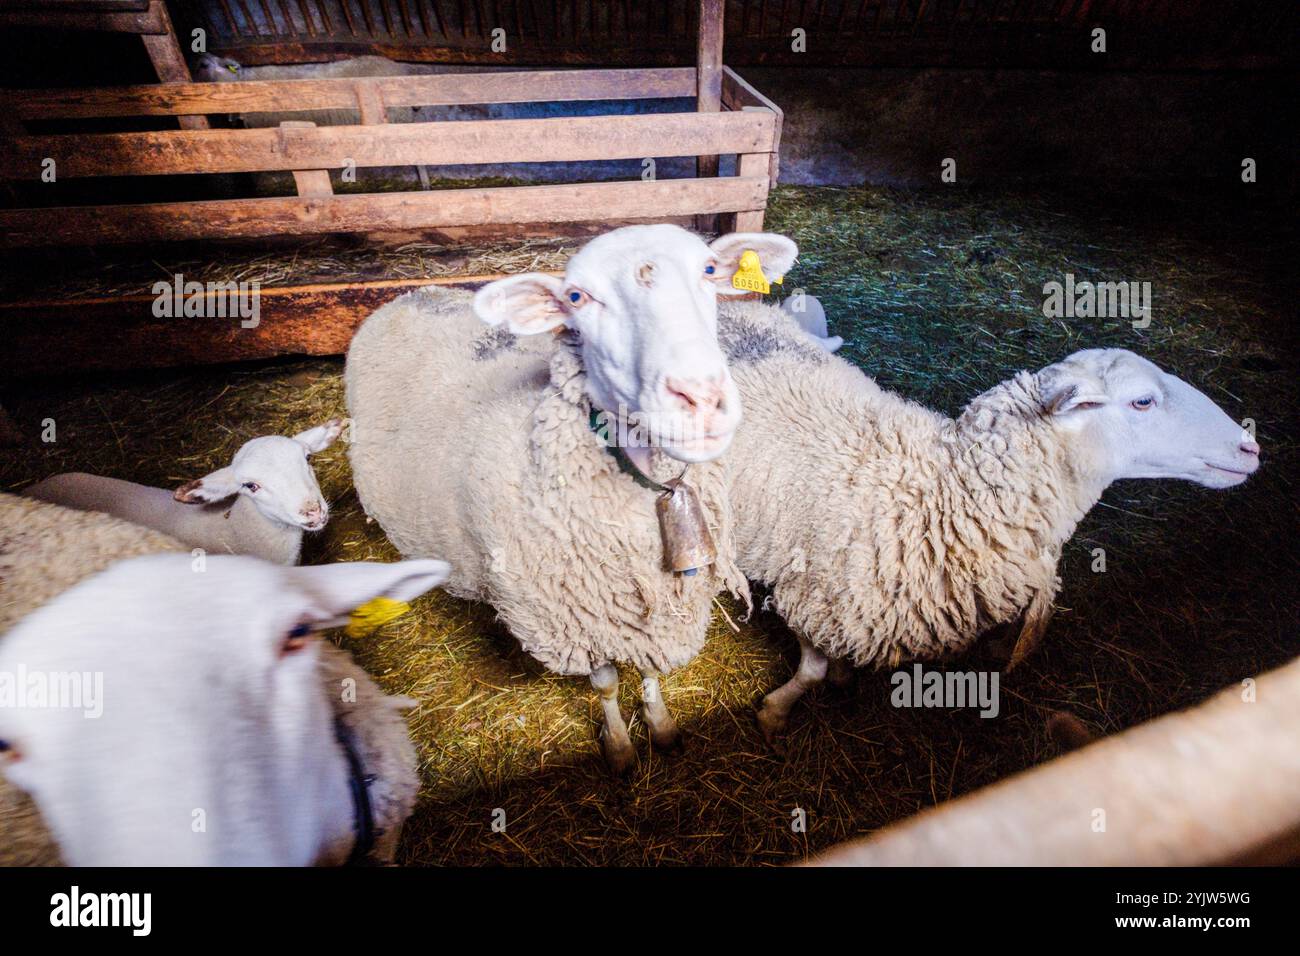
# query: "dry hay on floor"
{"type": "Point", "coordinates": [940, 297]}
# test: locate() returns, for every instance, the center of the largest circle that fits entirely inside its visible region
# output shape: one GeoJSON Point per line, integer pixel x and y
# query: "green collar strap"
{"type": "Point", "coordinates": [625, 464]}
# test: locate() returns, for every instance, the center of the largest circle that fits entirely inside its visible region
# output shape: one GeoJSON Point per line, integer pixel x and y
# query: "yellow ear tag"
{"type": "Point", "coordinates": [372, 615]}
{"type": "Point", "coordinates": [749, 276]}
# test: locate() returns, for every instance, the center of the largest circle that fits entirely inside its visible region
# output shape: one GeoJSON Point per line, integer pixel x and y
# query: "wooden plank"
{"type": "Point", "coordinates": [749, 166]}
{"type": "Point", "coordinates": [708, 90]}
{"type": "Point", "coordinates": [1182, 790]}
{"type": "Point", "coordinates": [370, 101]}
{"type": "Point", "coordinates": [267, 96]}
{"type": "Point", "coordinates": [374, 212]}
{"type": "Point", "coordinates": [168, 61]}
{"type": "Point", "coordinates": [737, 94]}
{"type": "Point", "coordinates": [564, 139]}
{"type": "Point", "coordinates": [121, 332]}
{"type": "Point", "coordinates": [310, 183]}
{"type": "Point", "coordinates": [127, 22]}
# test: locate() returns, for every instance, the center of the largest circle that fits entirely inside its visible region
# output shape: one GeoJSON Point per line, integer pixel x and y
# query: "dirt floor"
{"type": "Point", "coordinates": [939, 295]}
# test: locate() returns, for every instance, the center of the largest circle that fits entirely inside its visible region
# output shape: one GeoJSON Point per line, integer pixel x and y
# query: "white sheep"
{"type": "Point", "coordinates": [478, 445]}
{"type": "Point", "coordinates": [188, 718]}
{"type": "Point", "coordinates": [889, 532]}
{"type": "Point", "coordinates": [274, 491]}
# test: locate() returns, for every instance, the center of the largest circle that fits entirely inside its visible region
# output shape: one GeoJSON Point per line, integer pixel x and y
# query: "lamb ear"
{"type": "Point", "coordinates": [321, 437]}
{"type": "Point", "coordinates": [340, 588]}
{"type": "Point", "coordinates": [526, 304]}
{"type": "Point", "coordinates": [218, 486]}
{"type": "Point", "coordinates": [776, 255]}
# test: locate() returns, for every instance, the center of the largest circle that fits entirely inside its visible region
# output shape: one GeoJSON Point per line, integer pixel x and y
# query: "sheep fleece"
{"type": "Point", "coordinates": [887, 531]}
{"type": "Point", "coordinates": [46, 549]}
{"type": "Point", "coordinates": [474, 445]}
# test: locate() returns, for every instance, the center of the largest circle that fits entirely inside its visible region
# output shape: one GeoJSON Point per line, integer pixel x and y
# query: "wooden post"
{"type": "Point", "coordinates": [311, 183]}
{"type": "Point", "coordinates": [708, 86]}
{"type": "Point", "coordinates": [751, 164]}
{"type": "Point", "coordinates": [168, 60]}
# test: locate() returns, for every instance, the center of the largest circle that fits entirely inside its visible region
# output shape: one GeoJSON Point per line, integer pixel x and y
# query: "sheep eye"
{"type": "Point", "coordinates": [578, 297]}
{"type": "Point", "coordinates": [710, 269]}
{"type": "Point", "coordinates": [296, 639]}
{"type": "Point", "coordinates": [252, 486]}
{"type": "Point", "coordinates": [4, 746]}
{"type": "Point", "coordinates": [1143, 404]}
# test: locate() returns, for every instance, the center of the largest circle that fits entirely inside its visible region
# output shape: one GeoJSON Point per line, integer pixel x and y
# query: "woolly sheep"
{"type": "Point", "coordinates": [889, 532]}
{"type": "Point", "coordinates": [275, 494]}
{"type": "Point", "coordinates": [476, 444]}
{"type": "Point", "coordinates": [212, 699]}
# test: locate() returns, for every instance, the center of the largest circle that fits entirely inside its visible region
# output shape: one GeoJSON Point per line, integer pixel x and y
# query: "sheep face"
{"type": "Point", "coordinates": [643, 300]}
{"type": "Point", "coordinates": [201, 732]}
{"type": "Point", "coordinates": [274, 473]}
{"type": "Point", "coordinates": [1145, 423]}
{"type": "Point", "coordinates": [209, 68]}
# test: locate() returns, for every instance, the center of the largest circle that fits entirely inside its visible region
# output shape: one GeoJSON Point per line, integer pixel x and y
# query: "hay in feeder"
{"type": "Point", "coordinates": [939, 296]}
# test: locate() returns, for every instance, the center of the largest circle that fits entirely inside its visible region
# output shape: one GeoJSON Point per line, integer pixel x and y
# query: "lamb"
{"type": "Point", "coordinates": [477, 444]}
{"type": "Point", "coordinates": [186, 758]}
{"type": "Point", "coordinates": [275, 494]}
{"type": "Point", "coordinates": [889, 532]}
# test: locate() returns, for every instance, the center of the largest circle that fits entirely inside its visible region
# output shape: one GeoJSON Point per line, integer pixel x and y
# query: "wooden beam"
{"type": "Point", "coordinates": [373, 212]}
{"type": "Point", "coordinates": [748, 166]}
{"type": "Point", "coordinates": [708, 90]}
{"type": "Point", "coordinates": [146, 22]}
{"type": "Point", "coordinates": [120, 332]}
{"type": "Point", "coordinates": [1218, 784]}
{"type": "Point", "coordinates": [168, 61]}
{"type": "Point", "coordinates": [737, 94]}
{"type": "Point", "coordinates": [278, 96]}
{"type": "Point", "coordinates": [482, 141]}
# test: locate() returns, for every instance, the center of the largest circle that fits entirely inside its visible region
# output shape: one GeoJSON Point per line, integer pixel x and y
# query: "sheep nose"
{"type": "Point", "coordinates": [1249, 447]}
{"type": "Point", "coordinates": [695, 396]}
{"type": "Point", "coordinates": [313, 513]}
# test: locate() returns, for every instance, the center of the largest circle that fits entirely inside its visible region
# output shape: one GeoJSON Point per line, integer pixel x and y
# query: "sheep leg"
{"type": "Point", "coordinates": [617, 744]}
{"type": "Point", "coordinates": [839, 672]}
{"type": "Point", "coordinates": [775, 711]}
{"type": "Point", "coordinates": [663, 729]}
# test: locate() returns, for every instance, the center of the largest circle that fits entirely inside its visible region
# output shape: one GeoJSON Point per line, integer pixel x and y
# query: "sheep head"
{"type": "Point", "coordinates": [1142, 422]}
{"type": "Point", "coordinates": [177, 695]}
{"type": "Point", "coordinates": [643, 300]}
{"type": "Point", "coordinates": [273, 472]}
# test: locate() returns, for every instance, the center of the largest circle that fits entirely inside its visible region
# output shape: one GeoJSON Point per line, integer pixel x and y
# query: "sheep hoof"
{"type": "Point", "coordinates": [773, 725]}
{"type": "Point", "coordinates": [620, 755]}
{"type": "Point", "coordinates": [669, 742]}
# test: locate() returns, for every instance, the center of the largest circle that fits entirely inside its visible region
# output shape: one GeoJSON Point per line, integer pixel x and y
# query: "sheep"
{"type": "Point", "coordinates": [807, 311]}
{"type": "Point", "coordinates": [224, 735]}
{"type": "Point", "coordinates": [889, 532]}
{"type": "Point", "coordinates": [477, 444]}
{"type": "Point", "coordinates": [275, 494]}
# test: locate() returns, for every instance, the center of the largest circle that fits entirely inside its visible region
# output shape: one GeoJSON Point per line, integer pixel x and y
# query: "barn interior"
{"type": "Point", "coordinates": [1162, 158]}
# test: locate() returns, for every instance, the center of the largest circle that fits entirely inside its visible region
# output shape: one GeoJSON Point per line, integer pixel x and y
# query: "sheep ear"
{"type": "Point", "coordinates": [321, 437]}
{"type": "Point", "coordinates": [218, 486]}
{"type": "Point", "coordinates": [1070, 386]}
{"type": "Point", "coordinates": [776, 255]}
{"type": "Point", "coordinates": [1067, 397]}
{"type": "Point", "coordinates": [526, 304]}
{"type": "Point", "coordinates": [340, 588]}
